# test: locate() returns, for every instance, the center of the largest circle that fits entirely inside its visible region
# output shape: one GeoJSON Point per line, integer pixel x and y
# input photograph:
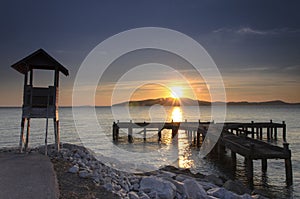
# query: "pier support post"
{"type": "Point", "coordinates": [252, 130]}
{"type": "Point", "coordinates": [264, 165]}
{"type": "Point", "coordinates": [159, 135]}
{"type": "Point", "coordinates": [268, 133]}
{"type": "Point", "coordinates": [22, 135]}
{"type": "Point", "coordinates": [28, 134]}
{"type": "Point", "coordinates": [233, 161]}
{"type": "Point", "coordinates": [145, 134]}
{"type": "Point", "coordinates": [260, 133]}
{"type": "Point", "coordinates": [130, 138]}
{"type": "Point", "coordinates": [198, 138]}
{"type": "Point", "coordinates": [115, 132]}
{"type": "Point", "coordinates": [288, 165]}
{"type": "Point", "coordinates": [284, 131]}
{"type": "Point", "coordinates": [249, 167]}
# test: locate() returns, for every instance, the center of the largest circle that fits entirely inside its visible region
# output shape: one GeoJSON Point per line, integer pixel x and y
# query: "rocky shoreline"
{"type": "Point", "coordinates": [166, 183]}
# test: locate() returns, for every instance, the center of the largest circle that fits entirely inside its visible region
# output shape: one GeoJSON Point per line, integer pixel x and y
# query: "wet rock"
{"type": "Point", "coordinates": [207, 185]}
{"type": "Point", "coordinates": [74, 169]}
{"type": "Point", "coordinates": [236, 187]}
{"type": "Point", "coordinates": [193, 189]}
{"type": "Point", "coordinates": [260, 193]}
{"type": "Point", "coordinates": [182, 177]}
{"type": "Point", "coordinates": [179, 185]}
{"type": "Point", "coordinates": [166, 174]}
{"type": "Point", "coordinates": [222, 193]}
{"type": "Point", "coordinates": [214, 179]}
{"type": "Point", "coordinates": [164, 189]}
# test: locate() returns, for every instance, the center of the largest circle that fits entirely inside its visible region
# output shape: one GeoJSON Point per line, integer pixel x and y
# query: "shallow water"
{"type": "Point", "coordinates": [98, 137]}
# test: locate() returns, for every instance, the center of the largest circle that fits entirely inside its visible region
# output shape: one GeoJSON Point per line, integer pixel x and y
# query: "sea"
{"type": "Point", "coordinates": [92, 127]}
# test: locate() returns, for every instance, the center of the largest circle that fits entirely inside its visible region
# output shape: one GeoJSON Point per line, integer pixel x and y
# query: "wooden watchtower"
{"type": "Point", "coordinates": [39, 102]}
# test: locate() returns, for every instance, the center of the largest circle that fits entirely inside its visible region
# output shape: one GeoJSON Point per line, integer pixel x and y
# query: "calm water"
{"type": "Point", "coordinates": [100, 139]}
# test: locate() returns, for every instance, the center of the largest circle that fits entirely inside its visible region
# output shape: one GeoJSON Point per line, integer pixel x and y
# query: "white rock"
{"type": "Point", "coordinates": [133, 195]}
{"type": "Point", "coordinates": [164, 189]}
{"type": "Point", "coordinates": [194, 189]}
{"type": "Point", "coordinates": [144, 196]}
{"type": "Point", "coordinates": [74, 169]}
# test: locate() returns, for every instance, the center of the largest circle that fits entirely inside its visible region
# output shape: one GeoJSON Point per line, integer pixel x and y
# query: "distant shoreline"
{"type": "Point", "coordinates": [191, 102]}
{"type": "Point", "coordinates": [266, 103]}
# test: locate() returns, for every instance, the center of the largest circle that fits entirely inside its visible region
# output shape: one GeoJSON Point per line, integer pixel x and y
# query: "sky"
{"type": "Point", "coordinates": [255, 45]}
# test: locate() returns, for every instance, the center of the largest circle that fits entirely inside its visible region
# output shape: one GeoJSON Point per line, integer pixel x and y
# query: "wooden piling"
{"type": "Point", "coordinates": [264, 165]}
{"type": "Point", "coordinates": [145, 134]}
{"type": "Point", "coordinates": [249, 168]}
{"type": "Point", "coordinates": [159, 135]}
{"type": "Point", "coordinates": [288, 165]}
{"type": "Point", "coordinates": [284, 131]}
{"type": "Point", "coordinates": [249, 162]}
{"type": "Point", "coordinates": [130, 138]}
{"type": "Point", "coordinates": [22, 134]}
{"type": "Point", "coordinates": [27, 134]}
{"type": "Point", "coordinates": [198, 138]}
{"type": "Point", "coordinates": [252, 130]}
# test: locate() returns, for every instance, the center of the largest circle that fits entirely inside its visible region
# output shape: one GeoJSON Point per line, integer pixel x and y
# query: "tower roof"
{"type": "Point", "coordinates": [39, 60]}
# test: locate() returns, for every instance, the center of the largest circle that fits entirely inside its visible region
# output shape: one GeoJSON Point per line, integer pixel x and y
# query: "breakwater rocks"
{"type": "Point", "coordinates": [167, 183]}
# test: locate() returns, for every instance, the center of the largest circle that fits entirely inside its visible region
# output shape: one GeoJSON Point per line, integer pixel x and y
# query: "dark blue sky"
{"type": "Point", "coordinates": [247, 39]}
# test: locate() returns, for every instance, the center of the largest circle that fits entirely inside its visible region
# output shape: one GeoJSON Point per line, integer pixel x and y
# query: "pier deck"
{"type": "Point", "coordinates": [254, 141]}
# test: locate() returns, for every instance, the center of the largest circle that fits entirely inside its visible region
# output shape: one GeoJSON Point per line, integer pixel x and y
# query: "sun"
{"type": "Point", "coordinates": [176, 92]}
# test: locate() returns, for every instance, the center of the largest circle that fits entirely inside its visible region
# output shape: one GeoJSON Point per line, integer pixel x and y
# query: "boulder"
{"type": "Point", "coordinates": [85, 173]}
{"type": "Point", "coordinates": [193, 189]}
{"type": "Point", "coordinates": [222, 193]}
{"type": "Point", "coordinates": [166, 174]}
{"type": "Point", "coordinates": [182, 177]}
{"type": "Point", "coordinates": [207, 185]}
{"type": "Point", "coordinates": [236, 187]}
{"type": "Point", "coordinates": [133, 195]}
{"type": "Point", "coordinates": [144, 196]}
{"type": "Point", "coordinates": [179, 185]}
{"type": "Point", "coordinates": [214, 179]}
{"type": "Point", "coordinates": [164, 189]}
{"type": "Point", "coordinates": [74, 169]}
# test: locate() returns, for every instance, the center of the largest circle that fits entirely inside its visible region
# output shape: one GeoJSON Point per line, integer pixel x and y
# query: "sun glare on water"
{"type": "Point", "coordinates": [177, 114]}
{"type": "Point", "coordinates": [176, 92]}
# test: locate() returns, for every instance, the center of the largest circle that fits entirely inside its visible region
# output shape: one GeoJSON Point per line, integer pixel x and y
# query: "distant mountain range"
{"type": "Point", "coordinates": [190, 102]}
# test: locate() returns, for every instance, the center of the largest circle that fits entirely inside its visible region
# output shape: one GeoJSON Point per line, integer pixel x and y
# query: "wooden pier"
{"type": "Point", "coordinates": [253, 141]}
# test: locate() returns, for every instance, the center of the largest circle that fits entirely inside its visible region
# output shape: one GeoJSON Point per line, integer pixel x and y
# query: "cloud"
{"type": "Point", "coordinates": [251, 31]}
{"type": "Point", "coordinates": [247, 30]}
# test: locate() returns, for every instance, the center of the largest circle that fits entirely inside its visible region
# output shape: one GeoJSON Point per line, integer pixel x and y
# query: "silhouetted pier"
{"type": "Point", "coordinates": [253, 141]}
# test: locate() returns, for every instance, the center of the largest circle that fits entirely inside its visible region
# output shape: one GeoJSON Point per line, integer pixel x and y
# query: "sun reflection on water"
{"type": "Point", "coordinates": [177, 114]}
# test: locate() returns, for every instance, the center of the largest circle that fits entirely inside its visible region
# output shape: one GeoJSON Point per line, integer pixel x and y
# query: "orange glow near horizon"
{"type": "Point", "coordinates": [176, 92]}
